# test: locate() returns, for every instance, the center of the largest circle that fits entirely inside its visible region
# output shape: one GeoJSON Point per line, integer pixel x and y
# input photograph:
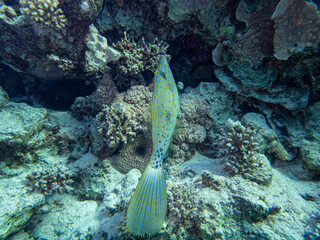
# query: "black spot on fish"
{"type": "Point", "coordinates": [163, 74]}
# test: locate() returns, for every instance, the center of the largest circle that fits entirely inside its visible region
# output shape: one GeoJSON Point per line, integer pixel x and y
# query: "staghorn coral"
{"type": "Point", "coordinates": [45, 12]}
{"type": "Point", "coordinates": [297, 24]}
{"type": "Point", "coordinates": [99, 53]}
{"type": "Point", "coordinates": [244, 156]}
{"type": "Point", "coordinates": [117, 125]}
{"type": "Point", "coordinates": [138, 58]}
{"type": "Point", "coordinates": [51, 179]}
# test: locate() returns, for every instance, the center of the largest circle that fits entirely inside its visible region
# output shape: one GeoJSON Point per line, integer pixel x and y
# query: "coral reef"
{"type": "Point", "coordinates": [311, 156]}
{"type": "Point", "coordinates": [51, 179]}
{"type": "Point", "coordinates": [63, 63]}
{"type": "Point", "coordinates": [43, 31]}
{"type": "Point", "coordinates": [192, 126]}
{"type": "Point", "coordinates": [271, 144]}
{"type": "Point", "coordinates": [139, 57]}
{"type": "Point", "coordinates": [243, 153]}
{"type": "Point", "coordinates": [257, 62]}
{"type": "Point", "coordinates": [44, 12]}
{"type": "Point", "coordinates": [99, 53]}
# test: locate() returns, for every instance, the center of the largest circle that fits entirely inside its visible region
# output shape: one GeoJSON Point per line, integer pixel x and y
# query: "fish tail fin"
{"type": "Point", "coordinates": [148, 207]}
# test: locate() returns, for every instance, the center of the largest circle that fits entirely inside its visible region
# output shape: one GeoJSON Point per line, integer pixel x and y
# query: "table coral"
{"type": "Point", "coordinates": [45, 12]}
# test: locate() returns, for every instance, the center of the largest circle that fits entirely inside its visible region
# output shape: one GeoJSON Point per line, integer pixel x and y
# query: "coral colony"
{"type": "Point", "coordinates": [196, 120]}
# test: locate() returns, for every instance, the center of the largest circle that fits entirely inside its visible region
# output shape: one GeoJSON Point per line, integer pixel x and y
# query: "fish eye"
{"type": "Point", "coordinates": [163, 75]}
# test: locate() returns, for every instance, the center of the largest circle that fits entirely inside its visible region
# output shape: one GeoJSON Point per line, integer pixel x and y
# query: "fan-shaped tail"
{"type": "Point", "coordinates": [148, 207]}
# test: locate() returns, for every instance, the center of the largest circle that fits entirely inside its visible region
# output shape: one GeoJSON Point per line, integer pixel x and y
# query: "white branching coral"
{"type": "Point", "coordinates": [99, 53]}
{"type": "Point", "coordinates": [45, 12]}
{"type": "Point", "coordinates": [137, 58]}
{"type": "Point", "coordinates": [244, 155]}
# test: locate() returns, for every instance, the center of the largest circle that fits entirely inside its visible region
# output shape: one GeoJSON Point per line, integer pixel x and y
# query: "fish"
{"type": "Point", "coordinates": [147, 209]}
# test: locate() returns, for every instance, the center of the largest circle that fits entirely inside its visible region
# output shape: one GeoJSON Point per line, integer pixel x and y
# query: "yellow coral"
{"type": "Point", "coordinates": [7, 13]}
{"type": "Point", "coordinates": [45, 12]}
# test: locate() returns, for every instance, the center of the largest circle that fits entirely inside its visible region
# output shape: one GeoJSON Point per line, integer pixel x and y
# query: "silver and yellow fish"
{"type": "Point", "coordinates": [148, 207]}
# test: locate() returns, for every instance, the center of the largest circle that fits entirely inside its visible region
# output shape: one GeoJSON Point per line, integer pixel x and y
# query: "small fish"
{"type": "Point", "coordinates": [148, 207]}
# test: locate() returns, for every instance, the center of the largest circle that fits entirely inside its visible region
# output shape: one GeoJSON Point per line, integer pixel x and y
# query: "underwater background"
{"type": "Point", "coordinates": [76, 86]}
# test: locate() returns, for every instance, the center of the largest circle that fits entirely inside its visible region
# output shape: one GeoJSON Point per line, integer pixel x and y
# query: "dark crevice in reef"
{"type": "Point", "coordinates": [54, 94]}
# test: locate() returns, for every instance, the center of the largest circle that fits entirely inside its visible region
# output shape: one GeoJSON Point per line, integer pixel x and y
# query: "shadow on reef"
{"type": "Point", "coordinates": [55, 94]}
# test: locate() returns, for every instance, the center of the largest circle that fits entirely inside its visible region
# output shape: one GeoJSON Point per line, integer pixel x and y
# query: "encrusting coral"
{"type": "Point", "coordinates": [137, 58]}
{"type": "Point", "coordinates": [244, 155]}
{"type": "Point", "coordinates": [51, 179]}
{"type": "Point", "coordinates": [45, 12]}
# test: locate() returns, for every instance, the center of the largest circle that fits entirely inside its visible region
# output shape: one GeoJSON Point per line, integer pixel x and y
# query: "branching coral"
{"type": "Point", "coordinates": [244, 154]}
{"type": "Point", "coordinates": [137, 58]}
{"type": "Point", "coordinates": [62, 63]}
{"type": "Point", "coordinates": [52, 179]}
{"type": "Point", "coordinates": [117, 127]}
{"type": "Point", "coordinates": [45, 12]}
{"type": "Point", "coordinates": [191, 214]}
{"type": "Point", "coordinates": [99, 53]}
{"type": "Point", "coordinates": [192, 127]}
{"type": "Point", "coordinates": [7, 13]}
{"type": "Point", "coordinates": [183, 205]}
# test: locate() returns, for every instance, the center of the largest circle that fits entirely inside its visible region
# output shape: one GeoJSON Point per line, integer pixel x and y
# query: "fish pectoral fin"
{"type": "Point", "coordinates": [148, 206]}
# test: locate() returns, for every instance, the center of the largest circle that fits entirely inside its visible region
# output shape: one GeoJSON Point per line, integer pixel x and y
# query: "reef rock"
{"type": "Point", "coordinates": [17, 205]}
{"type": "Point", "coordinates": [46, 38]}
